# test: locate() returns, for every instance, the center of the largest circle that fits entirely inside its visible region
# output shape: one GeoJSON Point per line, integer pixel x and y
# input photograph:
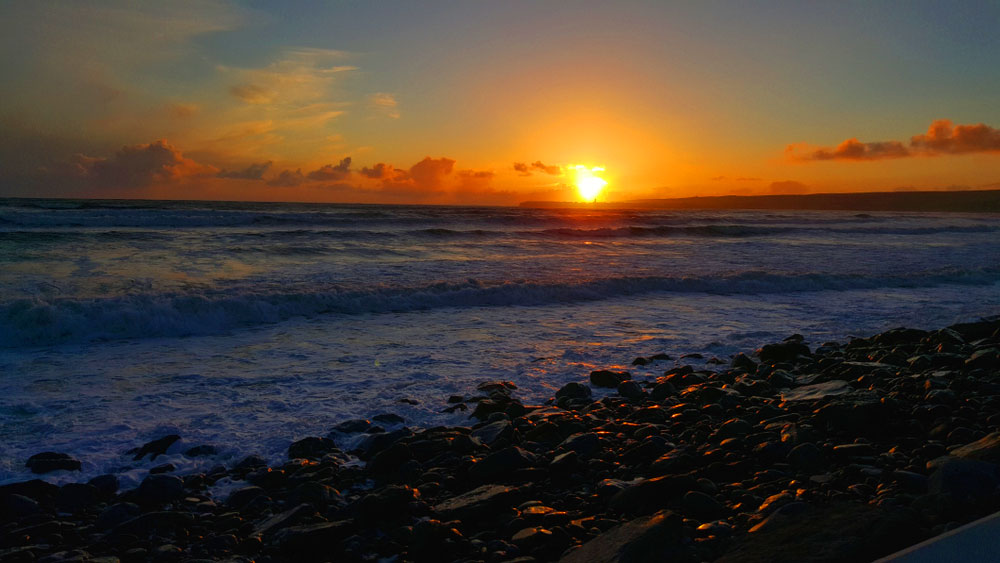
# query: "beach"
{"type": "Point", "coordinates": [793, 452]}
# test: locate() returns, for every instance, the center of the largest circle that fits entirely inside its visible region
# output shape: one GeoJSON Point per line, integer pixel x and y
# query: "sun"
{"type": "Point", "coordinates": [588, 183]}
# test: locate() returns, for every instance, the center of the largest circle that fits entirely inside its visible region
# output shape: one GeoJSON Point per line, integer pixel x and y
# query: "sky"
{"type": "Point", "coordinates": [495, 102]}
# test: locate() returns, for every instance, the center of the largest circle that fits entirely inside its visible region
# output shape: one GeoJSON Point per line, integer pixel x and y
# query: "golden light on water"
{"type": "Point", "coordinates": [588, 183]}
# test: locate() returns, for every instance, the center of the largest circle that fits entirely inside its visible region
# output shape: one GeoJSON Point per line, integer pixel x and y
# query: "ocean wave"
{"type": "Point", "coordinates": [38, 321]}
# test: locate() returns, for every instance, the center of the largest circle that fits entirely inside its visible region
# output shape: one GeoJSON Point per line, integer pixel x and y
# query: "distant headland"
{"type": "Point", "coordinates": [981, 201]}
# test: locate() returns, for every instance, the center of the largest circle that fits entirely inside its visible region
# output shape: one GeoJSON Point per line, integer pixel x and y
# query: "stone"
{"type": "Point", "coordinates": [585, 444]}
{"type": "Point", "coordinates": [47, 462]}
{"type": "Point", "coordinates": [807, 457]}
{"type": "Point", "coordinates": [478, 503]}
{"type": "Point", "coordinates": [501, 464]}
{"type": "Point", "coordinates": [242, 497]}
{"type": "Point", "coordinates": [742, 361]}
{"type": "Point", "coordinates": [312, 448]}
{"type": "Point", "coordinates": [631, 390]}
{"type": "Point", "coordinates": [74, 497]}
{"type": "Point", "coordinates": [574, 390]}
{"type": "Point", "coordinates": [15, 507]}
{"type": "Point", "coordinates": [784, 514]}
{"type": "Point", "coordinates": [282, 520]}
{"type": "Point", "coordinates": [645, 539]}
{"type": "Point", "coordinates": [115, 514]}
{"type": "Point", "coordinates": [702, 506]}
{"type": "Point", "coordinates": [663, 390]}
{"type": "Point", "coordinates": [782, 352]}
{"type": "Point", "coordinates": [494, 432]}
{"type": "Point", "coordinates": [389, 418]}
{"type": "Point", "coordinates": [107, 485]}
{"type": "Point", "coordinates": [313, 542]}
{"type": "Point", "coordinates": [354, 426]}
{"type": "Point", "coordinates": [159, 489]}
{"type": "Point", "coordinates": [610, 379]}
{"type": "Point", "coordinates": [651, 495]}
{"type": "Point", "coordinates": [203, 450]}
{"type": "Point", "coordinates": [984, 449]}
{"type": "Point", "coordinates": [963, 479]}
{"type": "Point", "coordinates": [162, 468]}
{"type": "Point", "coordinates": [817, 391]}
{"type": "Point", "coordinates": [155, 448]}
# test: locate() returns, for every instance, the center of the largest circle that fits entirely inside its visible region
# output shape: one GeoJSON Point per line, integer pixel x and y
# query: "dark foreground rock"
{"type": "Point", "coordinates": [836, 452]}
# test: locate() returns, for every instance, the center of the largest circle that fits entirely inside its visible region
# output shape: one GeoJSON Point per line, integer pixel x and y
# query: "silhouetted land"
{"type": "Point", "coordinates": [981, 201]}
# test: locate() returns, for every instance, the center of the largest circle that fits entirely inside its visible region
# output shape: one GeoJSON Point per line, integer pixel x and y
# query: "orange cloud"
{"type": "Point", "coordinates": [252, 172]}
{"type": "Point", "coordinates": [942, 138]}
{"type": "Point", "coordinates": [138, 166]}
{"type": "Point", "coordinates": [546, 168]}
{"type": "Point", "coordinates": [382, 171]}
{"type": "Point", "coordinates": [287, 179]}
{"type": "Point", "coordinates": [331, 172]}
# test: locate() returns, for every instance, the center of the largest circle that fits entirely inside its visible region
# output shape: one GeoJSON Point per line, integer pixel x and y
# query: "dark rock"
{"type": "Point", "coordinates": [663, 390]}
{"type": "Point", "coordinates": [530, 538]}
{"type": "Point", "coordinates": [610, 379]}
{"type": "Point", "coordinates": [159, 489]}
{"type": "Point", "coordinates": [494, 432]}
{"type": "Point", "coordinates": [242, 497]}
{"type": "Point", "coordinates": [631, 390]}
{"type": "Point", "coordinates": [203, 450]}
{"type": "Point", "coordinates": [585, 444]}
{"type": "Point", "coordinates": [501, 464]}
{"type": "Point", "coordinates": [389, 418]}
{"type": "Point", "coordinates": [313, 542]}
{"type": "Point", "coordinates": [16, 507]}
{"type": "Point", "coordinates": [574, 390]}
{"type": "Point", "coordinates": [649, 538]}
{"type": "Point", "coordinates": [807, 457]}
{"type": "Point", "coordinates": [282, 520]}
{"type": "Point", "coordinates": [702, 506]}
{"type": "Point", "coordinates": [984, 449]}
{"type": "Point", "coordinates": [963, 479]}
{"type": "Point", "coordinates": [374, 443]}
{"type": "Point", "coordinates": [251, 462]}
{"type": "Point", "coordinates": [312, 448]}
{"type": "Point", "coordinates": [742, 361]}
{"type": "Point", "coordinates": [107, 485]}
{"type": "Point", "coordinates": [115, 514]}
{"type": "Point", "coordinates": [73, 497]}
{"type": "Point", "coordinates": [780, 516]}
{"type": "Point", "coordinates": [478, 503]}
{"type": "Point", "coordinates": [163, 468]}
{"type": "Point", "coordinates": [156, 447]}
{"type": "Point", "coordinates": [735, 427]}
{"type": "Point", "coordinates": [354, 426]}
{"type": "Point", "coordinates": [47, 462]}
{"type": "Point", "coordinates": [651, 495]}
{"type": "Point", "coordinates": [640, 361]}
{"type": "Point", "coordinates": [390, 459]}
{"type": "Point", "coordinates": [783, 352]}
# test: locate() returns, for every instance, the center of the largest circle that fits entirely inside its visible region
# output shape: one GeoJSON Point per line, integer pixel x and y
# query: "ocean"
{"type": "Point", "coordinates": [250, 325]}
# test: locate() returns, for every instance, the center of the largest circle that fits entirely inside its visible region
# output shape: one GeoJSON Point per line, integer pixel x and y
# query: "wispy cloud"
{"type": "Point", "coordinates": [386, 104]}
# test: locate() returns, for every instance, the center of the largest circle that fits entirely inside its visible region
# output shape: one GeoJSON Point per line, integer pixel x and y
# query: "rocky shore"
{"type": "Point", "coordinates": [841, 452]}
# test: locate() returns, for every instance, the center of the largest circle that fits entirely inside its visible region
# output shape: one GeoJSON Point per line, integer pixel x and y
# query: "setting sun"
{"type": "Point", "coordinates": [588, 183]}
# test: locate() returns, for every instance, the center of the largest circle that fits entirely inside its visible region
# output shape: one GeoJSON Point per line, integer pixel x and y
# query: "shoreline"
{"type": "Point", "coordinates": [841, 452]}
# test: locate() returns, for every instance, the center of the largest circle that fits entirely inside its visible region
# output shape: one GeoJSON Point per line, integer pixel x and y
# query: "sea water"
{"type": "Point", "coordinates": [250, 325]}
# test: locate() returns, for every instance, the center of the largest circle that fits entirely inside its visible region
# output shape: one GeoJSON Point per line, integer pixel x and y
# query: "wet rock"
{"type": "Point", "coordinates": [116, 514]}
{"type": "Point", "coordinates": [742, 361]}
{"type": "Point", "coordinates": [155, 448]}
{"type": "Point", "coordinates": [781, 516]}
{"type": "Point", "coordinates": [650, 495]}
{"type": "Point", "coordinates": [501, 464]}
{"type": "Point", "coordinates": [354, 426]}
{"type": "Point", "coordinates": [782, 352]}
{"type": "Point", "coordinates": [631, 390]}
{"type": "Point", "coordinates": [312, 448]}
{"type": "Point", "coordinates": [585, 444]}
{"type": "Point", "coordinates": [816, 391]}
{"type": "Point", "coordinates": [389, 418]}
{"type": "Point", "coordinates": [807, 457]}
{"type": "Point", "coordinates": [107, 485]}
{"type": "Point", "coordinates": [282, 520]}
{"type": "Point", "coordinates": [573, 390]}
{"type": "Point", "coordinates": [162, 468]}
{"type": "Point", "coordinates": [203, 450]}
{"type": "Point", "coordinates": [242, 497]}
{"type": "Point", "coordinates": [662, 390]}
{"type": "Point", "coordinates": [159, 489]}
{"type": "Point", "coordinates": [494, 432]}
{"type": "Point", "coordinates": [16, 507]}
{"type": "Point", "coordinates": [984, 449]}
{"type": "Point", "coordinates": [702, 506]}
{"type": "Point", "coordinates": [47, 462]}
{"type": "Point", "coordinates": [73, 497]}
{"type": "Point", "coordinates": [313, 542]}
{"type": "Point", "coordinates": [610, 379]}
{"type": "Point", "coordinates": [963, 479]}
{"type": "Point", "coordinates": [649, 538]}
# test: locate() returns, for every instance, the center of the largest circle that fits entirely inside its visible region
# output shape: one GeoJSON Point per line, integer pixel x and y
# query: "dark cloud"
{"type": "Point", "coordinates": [287, 179]}
{"type": "Point", "coordinates": [136, 166]}
{"type": "Point", "coordinates": [538, 164]}
{"type": "Point", "coordinates": [942, 138]}
{"type": "Point", "coordinates": [253, 172]}
{"type": "Point", "coordinates": [382, 171]}
{"type": "Point", "coordinates": [331, 172]}
{"type": "Point", "coordinates": [788, 187]}
{"type": "Point", "coordinates": [522, 168]}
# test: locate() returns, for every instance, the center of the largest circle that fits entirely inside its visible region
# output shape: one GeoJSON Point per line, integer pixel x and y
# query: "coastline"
{"type": "Point", "coordinates": [836, 452]}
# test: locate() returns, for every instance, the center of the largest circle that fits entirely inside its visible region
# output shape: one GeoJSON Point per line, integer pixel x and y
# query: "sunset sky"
{"type": "Point", "coordinates": [495, 102]}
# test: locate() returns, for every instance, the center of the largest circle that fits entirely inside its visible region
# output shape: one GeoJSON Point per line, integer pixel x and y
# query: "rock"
{"type": "Point", "coordinates": [782, 352]}
{"type": "Point", "coordinates": [353, 426]}
{"type": "Point", "coordinates": [530, 538]}
{"type": "Point", "coordinates": [494, 432]}
{"type": "Point", "coordinates": [46, 462]}
{"type": "Point", "coordinates": [74, 497]}
{"type": "Point", "coordinates": [15, 507]}
{"type": "Point", "coordinates": [159, 489]}
{"type": "Point", "coordinates": [631, 390]}
{"type": "Point", "coordinates": [807, 457]}
{"type": "Point", "coordinates": [389, 418]}
{"type": "Point", "coordinates": [501, 464]}
{"type": "Point", "coordinates": [156, 447]}
{"type": "Point", "coordinates": [478, 503]}
{"type": "Point", "coordinates": [702, 506]}
{"type": "Point", "coordinates": [242, 497]}
{"type": "Point", "coordinates": [963, 479]}
{"type": "Point", "coordinates": [650, 538]}
{"type": "Point", "coordinates": [610, 379]}
{"type": "Point", "coordinates": [816, 391]}
{"type": "Point", "coordinates": [107, 485]}
{"type": "Point", "coordinates": [662, 390]}
{"type": "Point", "coordinates": [283, 520]}
{"type": "Point", "coordinates": [735, 427]}
{"type": "Point", "coordinates": [313, 542]}
{"type": "Point", "coordinates": [742, 361]}
{"type": "Point", "coordinates": [574, 390]}
{"type": "Point", "coordinates": [203, 450]}
{"type": "Point", "coordinates": [651, 495]}
{"type": "Point", "coordinates": [984, 449]}
{"type": "Point", "coordinates": [312, 448]}
{"type": "Point", "coordinates": [781, 516]}
{"type": "Point", "coordinates": [585, 444]}
{"type": "Point", "coordinates": [162, 468]}
{"type": "Point", "coordinates": [115, 514]}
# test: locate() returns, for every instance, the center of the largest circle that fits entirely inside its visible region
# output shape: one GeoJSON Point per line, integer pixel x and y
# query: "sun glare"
{"type": "Point", "coordinates": [588, 183]}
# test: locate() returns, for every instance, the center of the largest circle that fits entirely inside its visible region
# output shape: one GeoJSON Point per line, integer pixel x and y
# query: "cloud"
{"type": "Point", "coordinates": [138, 166]}
{"type": "Point", "coordinates": [474, 180]}
{"type": "Point", "coordinates": [788, 187]}
{"type": "Point", "coordinates": [386, 104]}
{"type": "Point", "coordinates": [252, 172]}
{"type": "Point", "coordinates": [522, 168]}
{"type": "Point", "coordinates": [538, 164]}
{"type": "Point", "coordinates": [252, 94]}
{"type": "Point", "coordinates": [942, 138]}
{"type": "Point", "coordinates": [382, 171]}
{"type": "Point", "coordinates": [287, 179]}
{"type": "Point", "coordinates": [331, 172]}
